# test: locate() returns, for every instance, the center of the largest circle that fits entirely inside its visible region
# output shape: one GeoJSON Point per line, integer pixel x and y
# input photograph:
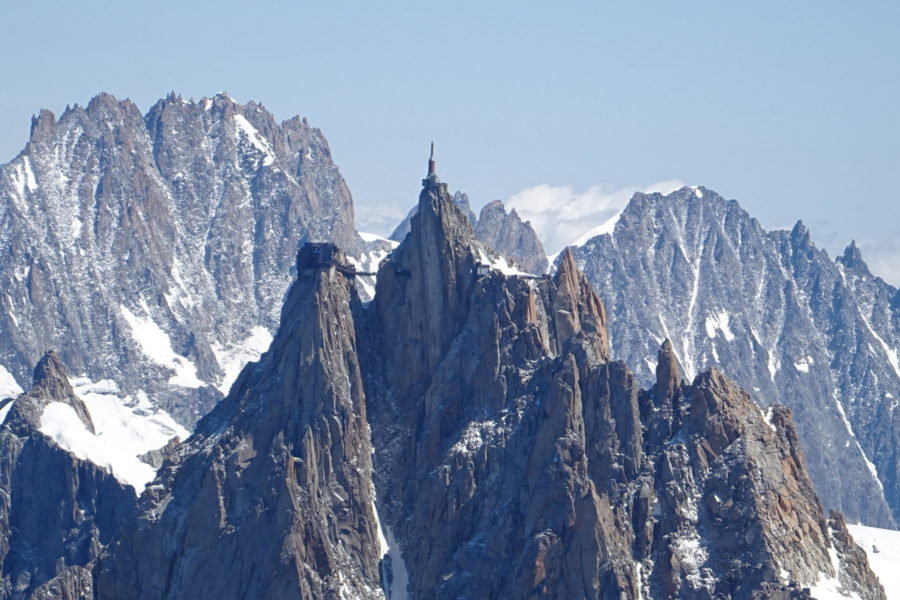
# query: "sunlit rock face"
{"type": "Point", "coordinates": [464, 434]}
{"type": "Point", "coordinates": [155, 249]}
{"type": "Point", "coordinates": [776, 314]}
{"type": "Point", "coordinates": [514, 458]}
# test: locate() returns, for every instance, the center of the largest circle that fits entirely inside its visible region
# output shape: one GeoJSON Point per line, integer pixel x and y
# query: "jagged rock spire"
{"type": "Point", "coordinates": [852, 259]}
{"type": "Point", "coordinates": [668, 375]}
{"type": "Point", "coordinates": [576, 307]}
{"type": "Point", "coordinates": [51, 379]}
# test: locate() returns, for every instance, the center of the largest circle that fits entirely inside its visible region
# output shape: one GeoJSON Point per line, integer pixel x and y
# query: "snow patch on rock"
{"type": "Point", "coordinates": [374, 237]}
{"type": "Point", "coordinates": [719, 322]}
{"type": "Point", "coordinates": [156, 345]}
{"type": "Point", "coordinates": [9, 387]}
{"type": "Point", "coordinates": [883, 548]}
{"type": "Point", "coordinates": [804, 364]}
{"type": "Point", "coordinates": [773, 364]}
{"type": "Point", "coordinates": [767, 417]}
{"type": "Point", "coordinates": [828, 587]}
{"type": "Point", "coordinates": [253, 136]}
{"type": "Point", "coordinates": [125, 429]}
{"type": "Point", "coordinates": [400, 575]}
{"type": "Point", "coordinates": [607, 227]}
{"type": "Point", "coordinates": [23, 178]}
{"type": "Point", "coordinates": [232, 358]}
{"type": "Point", "coordinates": [500, 263]}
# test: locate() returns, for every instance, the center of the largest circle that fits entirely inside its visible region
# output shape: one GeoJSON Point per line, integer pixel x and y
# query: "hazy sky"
{"type": "Point", "coordinates": [792, 108]}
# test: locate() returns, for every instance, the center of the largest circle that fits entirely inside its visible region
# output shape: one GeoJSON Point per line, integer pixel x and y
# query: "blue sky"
{"type": "Point", "coordinates": [791, 108]}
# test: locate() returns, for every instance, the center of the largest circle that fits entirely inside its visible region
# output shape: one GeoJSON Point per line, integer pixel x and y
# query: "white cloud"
{"type": "Point", "coordinates": [379, 218]}
{"type": "Point", "coordinates": [560, 215]}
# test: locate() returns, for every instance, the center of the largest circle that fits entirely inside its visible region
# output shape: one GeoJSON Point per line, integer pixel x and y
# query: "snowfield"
{"type": "Point", "coordinates": [125, 429]}
{"type": "Point", "coordinates": [885, 561]}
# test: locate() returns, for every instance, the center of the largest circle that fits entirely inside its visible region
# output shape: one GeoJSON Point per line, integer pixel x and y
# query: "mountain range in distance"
{"type": "Point", "coordinates": [456, 426]}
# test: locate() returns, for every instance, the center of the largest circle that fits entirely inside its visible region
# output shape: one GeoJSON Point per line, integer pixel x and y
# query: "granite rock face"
{"type": "Point", "coordinates": [543, 456]}
{"type": "Point", "coordinates": [155, 249]}
{"type": "Point", "coordinates": [497, 230]}
{"type": "Point", "coordinates": [506, 233]}
{"type": "Point", "coordinates": [460, 199]}
{"type": "Point", "coordinates": [787, 323]}
{"type": "Point", "coordinates": [272, 496]}
{"type": "Point", "coordinates": [57, 512]}
{"type": "Point", "coordinates": [466, 434]}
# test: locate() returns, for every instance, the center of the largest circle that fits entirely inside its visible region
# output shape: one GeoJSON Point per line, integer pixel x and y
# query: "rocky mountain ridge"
{"type": "Point", "coordinates": [57, 511]}
{"type": "Point", "coordinates": [275, 484]}
{"type": "Point", "coordinates": [509, 456]}
{"type": "Point", "coordinates": [788, 323]}
{"type": "Point", "coordinates": [497, 230]}
{"type": "Point", "coordinates": [469, 416]}
{"type": "Point", "coordinates": [587, 464]}
{"type": "Point", "coordinates": [155, 249]}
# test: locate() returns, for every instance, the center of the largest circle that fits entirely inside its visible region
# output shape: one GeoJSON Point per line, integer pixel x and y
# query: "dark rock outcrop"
{"type": "Point", "coordinates": [57, 512]}
{"type": "Point", "coordinates": [460, 199]}
{"type": "Point", "coordinates": [496, 230]}
{"type": "Point", "coordinates": [272, 496]}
